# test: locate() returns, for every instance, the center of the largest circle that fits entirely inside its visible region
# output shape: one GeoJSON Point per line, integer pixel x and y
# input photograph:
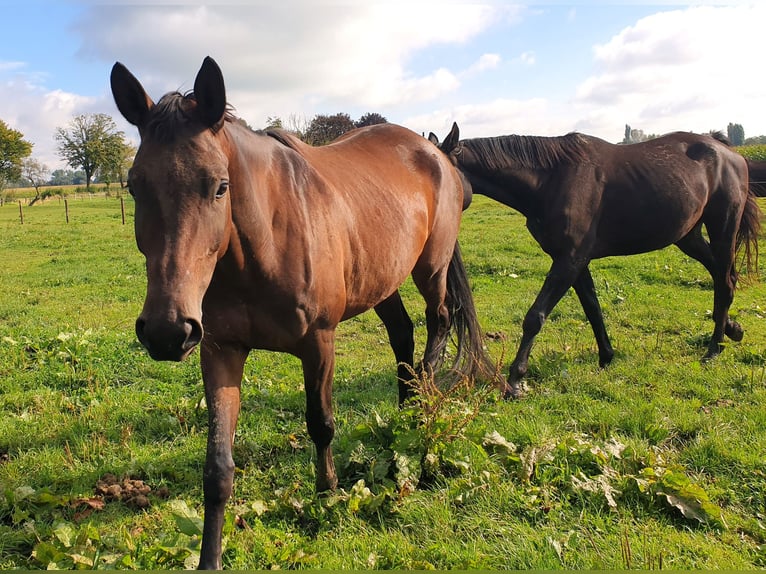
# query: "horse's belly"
{"type": "Point", "coordinates": [638, 241]}
{"type": "Point", "coordinates": [646, 226]}
{"type": "Point", "coordinates": [365, 289]}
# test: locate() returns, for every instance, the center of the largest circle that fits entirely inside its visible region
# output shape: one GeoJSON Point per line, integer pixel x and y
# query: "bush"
{"type": "Point", "coordinates": [755, 152]}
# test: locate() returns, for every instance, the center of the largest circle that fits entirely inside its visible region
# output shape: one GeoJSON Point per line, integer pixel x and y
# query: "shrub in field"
{"type": "Point", "coordinates": [756, 152]}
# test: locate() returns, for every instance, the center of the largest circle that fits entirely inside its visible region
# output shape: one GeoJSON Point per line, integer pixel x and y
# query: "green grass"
{"type": "Point", "coordinates": [593, 472]}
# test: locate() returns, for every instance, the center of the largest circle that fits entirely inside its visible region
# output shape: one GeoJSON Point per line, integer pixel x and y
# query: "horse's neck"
{"type": "Point", "coordinates": [251, 203]}
{"type": "Point", "coordinates": [517, 188]}
{"type": "Point", "coordinates": [266, 203]}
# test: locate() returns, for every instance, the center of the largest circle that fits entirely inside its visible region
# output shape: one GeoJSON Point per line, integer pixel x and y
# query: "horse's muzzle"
{"type": "Point", "coordinates": [167, 340]}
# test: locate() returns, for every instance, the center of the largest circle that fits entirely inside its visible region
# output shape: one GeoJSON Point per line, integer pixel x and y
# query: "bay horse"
{"type": "Point", "coordinates": [255, 240]}
{"type": "Point", "coordinates": [585, 198]}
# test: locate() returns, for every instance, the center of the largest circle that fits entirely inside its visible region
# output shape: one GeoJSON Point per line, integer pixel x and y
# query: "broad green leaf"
{"type": "Point", "coordinates": [65, 533]}
{"type": "Point", "coordinates": [496, 443]}
{"type": "Point", "coordinates": [187, 520]}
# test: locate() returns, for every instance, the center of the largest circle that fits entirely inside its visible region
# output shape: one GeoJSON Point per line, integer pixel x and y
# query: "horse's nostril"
{"type": "Point", "coordinates": [193, 330]}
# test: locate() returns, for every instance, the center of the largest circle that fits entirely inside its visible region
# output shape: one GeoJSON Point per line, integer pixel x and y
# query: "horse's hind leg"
{"type": "Point", "coordinates": [722, 232]}
{"type": "Point", "coordinates": [433, 287]}
{"type": "Point", "coordinates": [586, 293]}
{"type": "Point", "coordinates": [400, 335]}
{"type": "Point", "coordinates": [317, 354]}
{"type": "Point", "coordinates": [695, 246]}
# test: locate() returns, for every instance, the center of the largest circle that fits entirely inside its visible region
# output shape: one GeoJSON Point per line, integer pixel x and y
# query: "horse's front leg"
{"type": "Point", "coordinates": [558, 281]}
{"type": "Point", "coordinates": [317, 354]}
{"type": "Point", "coordinates": [222, 374]}
{"type": "Point", "coordinates": [400, 335]}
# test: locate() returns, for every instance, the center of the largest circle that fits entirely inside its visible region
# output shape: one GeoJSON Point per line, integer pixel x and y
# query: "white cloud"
{"type": "Point", "coordinates": [485, 62]}
{"type": "Point", "coordinates": [278, 59]}
{"type": "Point", "coordinates": [496, 117]}
{"type": "Point", "coordinates": [686, 69]}
{"type": "Point", "coordinates": [674, 70]}
{"type": "Point", "coordinates": [11, 66]}
{"type": "Point", "coordinates": [282, 58]}
{"type": "Point", "coordinates": [526, 58]}
{"type": "Point", "coordinates": [36, 112]}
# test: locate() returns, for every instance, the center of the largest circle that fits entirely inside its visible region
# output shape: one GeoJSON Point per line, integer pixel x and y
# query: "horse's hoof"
{"type": "Point", "coordinates": [604, 363]}
{"type": "Point", "coordinates": [512, 391]}
{"type": "Point", "coordinates": [734, 331]}
{"type": "Point", "coordinates": [326, 487]}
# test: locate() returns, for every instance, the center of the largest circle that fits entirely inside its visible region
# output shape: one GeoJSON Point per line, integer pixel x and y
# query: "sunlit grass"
{"type": "Point", "coordinates": [80, 398]}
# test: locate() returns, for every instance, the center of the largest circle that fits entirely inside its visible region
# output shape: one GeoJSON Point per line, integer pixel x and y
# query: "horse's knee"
{"type": "Point", "coordinates": [533, 322]}
{"type": "Point", "coordinates": [321, 427]}
{"type": "Point", "coordinates": [218, 479]}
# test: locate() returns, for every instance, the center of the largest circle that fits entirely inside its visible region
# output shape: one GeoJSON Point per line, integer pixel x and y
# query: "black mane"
{"type": "Point", "coordinates": [533, 152]}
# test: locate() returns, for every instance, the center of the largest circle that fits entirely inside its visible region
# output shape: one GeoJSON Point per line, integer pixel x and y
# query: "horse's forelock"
{"type": "Point", "coordinates": [169, 116]}
{"type": "Point", "coordinates": [174, 114]}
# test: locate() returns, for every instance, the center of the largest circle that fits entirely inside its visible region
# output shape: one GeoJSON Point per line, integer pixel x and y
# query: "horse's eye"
{"type": "Point", "coordinates": [222, 189]}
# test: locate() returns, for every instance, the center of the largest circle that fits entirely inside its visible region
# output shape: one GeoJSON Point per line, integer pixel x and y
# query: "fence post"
{"type": "Point", "coordinates": [122, 209]}
{"type": "Point", "coordinates": [21, 213]}
{"type": "Point", "coordinates": [66, 210]}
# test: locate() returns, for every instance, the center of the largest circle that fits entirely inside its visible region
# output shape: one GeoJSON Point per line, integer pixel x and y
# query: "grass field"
{"type": "Point", "coordinates": [657, 461]}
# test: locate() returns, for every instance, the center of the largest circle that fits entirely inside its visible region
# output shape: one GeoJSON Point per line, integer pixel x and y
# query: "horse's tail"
{"type": "Point", "coordinates": [747, 235]}
{"type": "Point", "coordinates": [471, 358]}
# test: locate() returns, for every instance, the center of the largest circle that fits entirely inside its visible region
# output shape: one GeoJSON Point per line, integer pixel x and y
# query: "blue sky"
{"type": "Point", "coordinates": [543, 68]}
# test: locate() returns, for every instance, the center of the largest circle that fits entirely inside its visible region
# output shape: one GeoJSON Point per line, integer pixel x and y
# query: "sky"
{"type": "Point", "coordinates": [534, 68]}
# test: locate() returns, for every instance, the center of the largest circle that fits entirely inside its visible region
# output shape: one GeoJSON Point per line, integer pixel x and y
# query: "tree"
{"type": "Point", "coordinates": [66, 177]}
{"type": "Point", "coordinates": [117, 163]}
{"type": "Point", "coordinates": [90, 142]}
{"type": "Point", "coordinates": [626, 137]}
{"type": "Point", "coordinates": [36, 174]}
{"type": "Point", "coordinates": [13, 149]}
{"type": "Point", "coordinates": [636, 136]}
{"type": "Point", "coordinates": [323, 129]}
{"type": "Point", "coordinates": [369, 119]}
{"type": "Point", "coordinates": [755, 140]}
{"type": "Point", "coordinates": [274, 122]}
{"type": "Point", "coordinates": [736, 134]}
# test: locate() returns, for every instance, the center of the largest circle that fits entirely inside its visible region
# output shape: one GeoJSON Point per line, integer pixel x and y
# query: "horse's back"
{"type": "Point", "coordinates": [657, 191]}
{"type": "Point", "coordinates": [380, 201]}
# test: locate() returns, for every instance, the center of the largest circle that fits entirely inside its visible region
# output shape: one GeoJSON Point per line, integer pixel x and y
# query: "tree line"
{"type": "Point", "coordinates": [96, 151]}
{"type": "Point", "coordinates": [735, 133]}
{"type": "Point", "coordinates": [91, 144]}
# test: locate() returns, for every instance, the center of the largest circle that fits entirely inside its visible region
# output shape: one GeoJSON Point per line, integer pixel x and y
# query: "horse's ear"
{"type": "Point", "coordinates": [210, 93]}
{"type": "Point", "coordinates": [433, 139]}
{"type": "Point", "coordinates": [452, 139]}
{"type": "Point", "coordinates": [129, 95]}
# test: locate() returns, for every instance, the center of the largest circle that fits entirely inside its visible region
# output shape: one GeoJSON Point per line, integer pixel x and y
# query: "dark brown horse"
{"type": "Point", "coordinates": [757, 174]}
{"type": "Point", "coordinates": [257, 241]}
{"type": "Point", "coordinates": [585, 198]}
